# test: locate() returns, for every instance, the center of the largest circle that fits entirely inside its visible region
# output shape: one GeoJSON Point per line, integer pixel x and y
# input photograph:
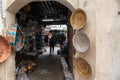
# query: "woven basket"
{"type": "Point", "coordinates": [81, 42]}
{"type": "Point", "coordinates": [5, 49]}
{"type": "Point", "coordinates": [78, 19]}
{"type": "Point", "coordinates": [82, 67]}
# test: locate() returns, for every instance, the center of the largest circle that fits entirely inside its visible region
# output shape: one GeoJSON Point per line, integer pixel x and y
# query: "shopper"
{"type": "Point", "coordinates": [52, 43]}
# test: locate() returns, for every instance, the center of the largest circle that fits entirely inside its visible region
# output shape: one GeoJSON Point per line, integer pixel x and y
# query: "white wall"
{"type": "Point", "coordinates": [89, 6]}
{"type": "Point", "coordinates": [108, 40]}
{"type": "Point", "coordinates": [1, 23]}
{"type": "Point", "coordinates": [7, 68]}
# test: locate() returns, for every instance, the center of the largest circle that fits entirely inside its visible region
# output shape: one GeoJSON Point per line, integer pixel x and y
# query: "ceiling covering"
{"type": "Point", "coordinates": [44, 10]}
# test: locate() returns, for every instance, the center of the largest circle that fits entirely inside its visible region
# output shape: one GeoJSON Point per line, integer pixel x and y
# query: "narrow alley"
{"type": "Point", "coordinates": [49, 67]}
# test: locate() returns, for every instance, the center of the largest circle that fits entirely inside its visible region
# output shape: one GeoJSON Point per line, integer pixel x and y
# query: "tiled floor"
{"type": "Point", "coordinates": [49, 67]}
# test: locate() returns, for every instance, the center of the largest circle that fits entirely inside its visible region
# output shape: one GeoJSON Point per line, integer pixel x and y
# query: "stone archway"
{"type": "Point", "coordinates": [13, 6]}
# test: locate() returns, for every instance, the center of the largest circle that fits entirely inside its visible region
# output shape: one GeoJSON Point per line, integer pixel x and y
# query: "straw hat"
{"type": "Point", "coordinates": [5, 49]}
{"type": "Point", "coordinates": [78, 19]}
{"type": "Point", "coordinates": [81, 42]}
{"type": "Point", "coordinates": [82, 67]}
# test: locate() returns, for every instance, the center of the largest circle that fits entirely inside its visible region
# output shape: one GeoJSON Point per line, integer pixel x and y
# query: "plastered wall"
{"type": "Point", "coordinates": [108, 40]}
{"type": "Point", "coordinates": [89, 6]}
{"type": "Point", "coordinates": [7, 68]}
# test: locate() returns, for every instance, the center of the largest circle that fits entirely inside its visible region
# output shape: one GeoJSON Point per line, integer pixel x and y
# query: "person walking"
{"type": "Point", "coordinates": [52, 44]}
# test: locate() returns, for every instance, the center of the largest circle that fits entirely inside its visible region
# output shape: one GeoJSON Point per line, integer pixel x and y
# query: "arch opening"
{"type": "Point", "coordinates": [14, 8]}
{"type": "Point", "coordinates": [34, 18]}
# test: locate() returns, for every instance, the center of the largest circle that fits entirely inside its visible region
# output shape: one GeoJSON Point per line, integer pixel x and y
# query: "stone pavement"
{"type": "Point", "coordinates": [49, 67]}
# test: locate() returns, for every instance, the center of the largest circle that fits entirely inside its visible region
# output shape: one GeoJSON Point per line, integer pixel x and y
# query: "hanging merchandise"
{"type": "Point", "coordinates": [12, 34]}
{"type": "Point", "coordinates": [82, 67]}
{"type": "Point", "coordinates": [21, 75]}
{"type": "Point", "coordinates": [81, 42]}
{"type": "Point", "coordinates": [5, 49]}
{"type": "Point", "coordinates": [78, 19]}
{"type": "Point", "coordinates": [19, 41]}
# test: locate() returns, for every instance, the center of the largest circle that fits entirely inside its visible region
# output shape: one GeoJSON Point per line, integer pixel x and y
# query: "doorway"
{"type": "Point", "coordinates": [34, 18]}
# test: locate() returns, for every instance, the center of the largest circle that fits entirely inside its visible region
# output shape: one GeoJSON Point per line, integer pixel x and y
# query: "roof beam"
{"type": "Point", "coordinates": [58, 8]}
{"type": "Point", "coordinates": [43, 11]}
{"type": "Point", "coordinates": [48, 8]}
{"type": "Point", "coordinates": [50, 5]}
{"type": "Point", "coordinates": [44, 7]}
{"type": "Point", "coordinates": [55, 8]}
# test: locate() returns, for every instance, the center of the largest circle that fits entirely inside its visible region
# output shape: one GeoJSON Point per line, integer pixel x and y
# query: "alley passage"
{"type": "Point", "coordinates": [49, 68]}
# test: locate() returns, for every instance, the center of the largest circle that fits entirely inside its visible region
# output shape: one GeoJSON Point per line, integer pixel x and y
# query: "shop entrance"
{"type": "Point", "coordinates": [44, 24]}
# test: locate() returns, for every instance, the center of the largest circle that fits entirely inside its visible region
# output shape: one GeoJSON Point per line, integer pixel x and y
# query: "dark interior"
{"type": "Point", "coordinates": [44, 10]}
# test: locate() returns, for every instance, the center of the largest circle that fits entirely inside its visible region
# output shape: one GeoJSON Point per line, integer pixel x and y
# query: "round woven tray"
{"type": "Point", "coordinates": [5, 49]}
{"type": "Point", "coordinates": [82, 67]}
{"type": "Point", "coordinates": [81, 42]}
{"type": "Point", "coordinates": [78, 19]}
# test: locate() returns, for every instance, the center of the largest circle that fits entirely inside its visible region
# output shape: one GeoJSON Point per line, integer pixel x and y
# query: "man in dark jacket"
{"type": "Point", "coordinates": [52, 43]}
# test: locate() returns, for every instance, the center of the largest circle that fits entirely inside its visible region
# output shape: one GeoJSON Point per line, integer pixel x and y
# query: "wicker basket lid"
{"type": "Point", "coordinates": [5, 49]}
{"type": "Point", "coordinates": [78, 19]}
{"type": "Point", "coordinates": [81, 42]}
{"type": "Point", "coordinates": [82, 67]}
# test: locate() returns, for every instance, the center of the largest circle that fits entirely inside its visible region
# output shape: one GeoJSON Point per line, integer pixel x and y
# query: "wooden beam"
{"type": "Point", "coordinates": [55, 7]}
{"type": "Point", "coordinates": [44, 8]}
{"type": "Point", "coordinates": [49, 2]}
{"type": "Point", "coordinates": [58, 6]}
{"type": "Point", "coordinates": [39, 10]}
{"type": "Point", "coordinates": [48, 7]}
{"type": "Point", "coordinates": [43, 11]}
{"type": "Point", "coordinates": [61, 8]}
